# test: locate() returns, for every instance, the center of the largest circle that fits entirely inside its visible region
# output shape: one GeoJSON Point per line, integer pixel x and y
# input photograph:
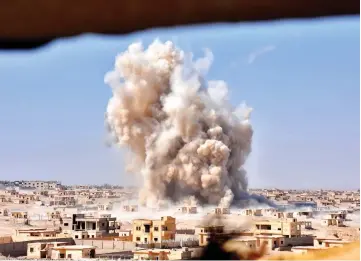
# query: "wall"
{"type": "Point", "coordinates": [299, 241]}
{"type": "Point", "coordinates": [171, 244]}
{"type": "Point", "coordinates": [186, 231]}
{"type": "Point", "coordinates": [107, 244]}
{"type": "Point", "coordinates": [17, 249]}
{"type": "Point", "coordinates": [6, 239]}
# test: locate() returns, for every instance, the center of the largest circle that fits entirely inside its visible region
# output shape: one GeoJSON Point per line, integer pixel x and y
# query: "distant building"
{"type": "Point", "coordinates": [251, 212]}
{"type": "Point", "coordinates": [303, 204]}
{"type": "Point", "coordinates": [39, 184]}
{"type": "Point", "coordinates": [222, 211]}
{"type": "Point", "coordinates": [36, 232]}
{"type": "Point", "coordinates": [187, 210]}
{"type": "Point", "coordinates": [19, 214]}
{"type": "Point", "coordinates": [130, 208]}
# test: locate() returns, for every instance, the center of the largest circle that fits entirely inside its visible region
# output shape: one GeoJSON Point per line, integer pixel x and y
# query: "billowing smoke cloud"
{"type": "Point", "coordinates": [185, 138]}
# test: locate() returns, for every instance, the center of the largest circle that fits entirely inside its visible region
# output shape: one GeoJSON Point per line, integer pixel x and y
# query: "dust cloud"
{"type": "Point", "coordinates": [187, 141]}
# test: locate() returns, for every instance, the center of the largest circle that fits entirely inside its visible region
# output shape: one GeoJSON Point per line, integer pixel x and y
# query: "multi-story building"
{"type": "Point", "coordinates": [204, 233]}
{"type": "Point", "coordinates": [82, 226]}
{"type": "Point", "coordinates": [154, 231]}
{"type": "Point", "coordinates": [286, 227]}
{"type": "Point", "coordinates": [40, 184]}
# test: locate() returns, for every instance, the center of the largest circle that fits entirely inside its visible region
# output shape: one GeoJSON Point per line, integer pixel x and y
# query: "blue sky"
{"type": "Point", "coordinates": [302, 78]}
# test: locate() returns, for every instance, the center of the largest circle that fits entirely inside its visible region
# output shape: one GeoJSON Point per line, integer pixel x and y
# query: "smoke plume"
{"type": "Point", "coordinates": [185, 138]}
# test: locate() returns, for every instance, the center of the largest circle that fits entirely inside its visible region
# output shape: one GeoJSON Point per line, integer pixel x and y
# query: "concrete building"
{"type": "Point", "coordinates": [287, 227]}
{"type": "Point", "coordinates": [204, 233]}
{"type": "Point", "coordinates": [251, 212]}
{"type": "Point", "coordinates": [154, 231]}
{"type": "Point", "coordinates": [162, 254]}
{"type": "Point", "coordinates": [326, 222]}
{"type": "Point", "coordinates": [63, 200]}
{"type": "Point", "coordinates": [324, 242]}
{"type": "Point", "coordinates": [334, 219]}
{"type": "Point", "coordinates": [19, 214]}
{"type": "Point", "coordinates": [222, 211]}
{"type": "Point", "coordinates": [40, 184]}
{"type": "Point", "coordinates": [42, 249]}
{"type": "Point", "coordinates": [271, 241]}
{"type": "Point", "coordinates": [36, 232]}
{"type": "Point", "coordinates": [84, 226]}
{"type": "Point", "coordinates": [130, 208]}
{"type": "Point", "coordinates": [307, 214]}
{"type": "Point", "coordinates": [4, 212]}
{"type": "Point", "coordinates": [250, 242]}
{"type": "Point", "coordinates": [282, 215]}
{"type": "Point", "coordinates": [187, 210]}
{"type": "Point", "coordinates": [74, 252]}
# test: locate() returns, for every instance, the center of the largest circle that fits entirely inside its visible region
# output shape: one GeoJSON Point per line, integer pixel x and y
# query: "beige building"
{"type": "Point", "coordinates": [82, 226]}
{"type": "Point", "coordinates": [250, 242]}
{"type": "Point", "coordinates": [154, 231]}
{"type": "Point", "coordinates": [74, 252]}
{"type": "Point", "coordinates": [187, 210]}
{"type": "Point", "coordinates": [4, 212]}
{"type": "Point", "coordinates": [251, 212]}
{"type": "Point", "coordinates": [222, 211]}
{"type": "Point", "coordinates": [42, 249]}
{"type": "Point", "coordinates": [36, 232]}
{"type": "Point", "coordinates": [307, 214]}
{"type": "Point", "coordinates": [162, 254]}
{"type": "Point", "coordinates": [204, 233]}
{"type": "Point", "coordinates": [40, 184]}
{"type": "Point", "coordinates": [271, 241]}
{"type": "Point", "coordinates": [286, 227]}
{"type": "Point", "coordinates": [19, 214]}
{"type": "Point", "coordinates": [325, 242]}
{"type": "Point", "coordinates": [334, 219]}
{"type": "Point", "coordinates": [130, 208]}
{"type": "Point", "coordinates": [326, 222]}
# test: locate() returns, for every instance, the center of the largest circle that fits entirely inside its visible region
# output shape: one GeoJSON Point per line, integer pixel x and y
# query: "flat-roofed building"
{"type": "Point", "coordinates": [286, 227]}
{"type": "Point", "coordinates": [74, 252]}
{"type": "Point", "coordinates": [154, 231]}
{"type": "Point", "coordinates": [204, 233]}
{"type": "Point", "coordinates": [36, 232]}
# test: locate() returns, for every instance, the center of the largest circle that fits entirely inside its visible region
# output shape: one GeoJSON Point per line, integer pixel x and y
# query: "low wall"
{"type": "Point", "coordinates": [17, 249]}
{"type": "Point", "coordinates": [171, 244]}
{"type": "Point", "coordinates": [107, 244]}
{"type": "Point", "coordinates": [186, 231]}
{"type": "Point", "coordinates": [299, 241]}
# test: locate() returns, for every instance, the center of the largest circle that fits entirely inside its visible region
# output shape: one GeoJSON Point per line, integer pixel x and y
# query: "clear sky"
{"type": "Point", "coordinates": [301, 78]}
